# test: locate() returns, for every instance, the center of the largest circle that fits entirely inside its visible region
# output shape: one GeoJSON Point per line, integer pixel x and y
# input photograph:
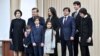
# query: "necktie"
{"type": "Point", "coordinates": [65, 20]}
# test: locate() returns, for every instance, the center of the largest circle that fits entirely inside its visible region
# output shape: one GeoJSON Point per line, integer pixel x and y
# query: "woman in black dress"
{"type": "Point", "coordinates": [17, 29]}
{"type": "Point", "coordinates": [52, 16]}
{"type": "Point", "coordinates": [85, 32]}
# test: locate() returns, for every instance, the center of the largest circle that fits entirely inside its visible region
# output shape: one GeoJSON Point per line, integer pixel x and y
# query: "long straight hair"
{"type": "Point", "coordinates": [53, 11]}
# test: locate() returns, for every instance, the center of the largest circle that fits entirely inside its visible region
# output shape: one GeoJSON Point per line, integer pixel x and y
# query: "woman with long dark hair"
{"type": "Point", "coordinates": [52, 16]}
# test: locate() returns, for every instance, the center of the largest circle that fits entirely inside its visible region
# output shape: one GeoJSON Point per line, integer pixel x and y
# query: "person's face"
{"type": "Point", "coordinates": [34, 13]}
{"type": "Point", "coordinates": [81, 14]}
{"type": "Point", "coordinates": [37, 21]}
{"type": "Point", "coordinates": [28, 30]}
{"type": "Point", "coordinates": [76, 7]}
{"type": "Point", "coordinates": [49, 25]}
{"type": "Point", "coordinates": [18, 15]}
{"type": "Point", "coordinates": [49, 12]}
{"type": "Point", "coordinates": [66, 12]}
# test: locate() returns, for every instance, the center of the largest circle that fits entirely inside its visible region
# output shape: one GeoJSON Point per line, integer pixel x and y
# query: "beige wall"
{"type": "Point", "coordinates": [92, 7]}
{"type": "Point", "coordinates": [14, 4]}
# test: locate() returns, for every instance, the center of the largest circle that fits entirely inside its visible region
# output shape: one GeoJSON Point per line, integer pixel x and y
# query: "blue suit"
{"type": "Point", "coordinates": [37, 36]}
{"type": "Point", "coordinates": [67, 31]}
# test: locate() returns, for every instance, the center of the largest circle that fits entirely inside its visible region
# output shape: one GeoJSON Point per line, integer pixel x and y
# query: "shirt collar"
{"type": "Point", "coordinates": [78, 10]}
{"type": "Point", "coordinates": [66, 16]}
{"type": "Point", "coordinates": [85, 16]}
{"type": "Point", "coordinates": [37, 25]}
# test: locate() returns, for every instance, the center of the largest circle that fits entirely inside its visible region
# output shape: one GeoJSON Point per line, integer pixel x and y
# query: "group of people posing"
{"type": "Point", "coordinates": [40, 37]}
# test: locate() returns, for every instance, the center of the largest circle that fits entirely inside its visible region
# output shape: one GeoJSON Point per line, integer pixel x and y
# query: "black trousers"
{"type": "Point", "coordinates": [55, 50]}
{"type": "Point", "coordinates": [76, 41]}
{"type": "Point", "coordinates": [38, 51]}
{"type": "Point", "coordinates": [68, 43]}
{"type": "Point", "coordinates": [51, 54]}
{"type": "Point", "coordinates": [85, 51]}
{"type": "Point", "coordinates": [29, 54]}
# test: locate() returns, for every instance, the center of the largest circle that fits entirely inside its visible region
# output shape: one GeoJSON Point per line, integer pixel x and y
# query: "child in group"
{"type": "Point", "coordinates": [37, 37]}
{"type": "Point", "coordinates": [49, 42]}
{"type": "Point", "coordinates": [28, 48]}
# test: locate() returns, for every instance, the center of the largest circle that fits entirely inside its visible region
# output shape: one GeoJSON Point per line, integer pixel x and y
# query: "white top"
{"type": "Point", "coordinates": [49, 44]}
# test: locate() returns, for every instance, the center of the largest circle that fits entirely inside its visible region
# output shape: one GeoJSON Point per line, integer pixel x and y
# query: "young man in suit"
{"type": "Point", "coordinates": [77, 6]}
{"type": "Point", "coordinates": [35, 12]}
{"type": "Point", "coordinates": [67, 25]}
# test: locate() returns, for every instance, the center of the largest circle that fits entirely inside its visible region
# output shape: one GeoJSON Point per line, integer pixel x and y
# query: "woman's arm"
{"type": "Point", "coordinates": [11, 30]}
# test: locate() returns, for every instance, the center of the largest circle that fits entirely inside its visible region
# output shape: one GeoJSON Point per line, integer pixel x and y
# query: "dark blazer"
{"type": "Point", "coordinates": [37, 34]}
{"type": "Point", "coordinates": [27, 41]}
{"type": "Point", "coordinates": [55, 24]}
{"type": "Point", "coordinates": [31, 21]}
{"type": "Point", "coordinates": [67, 29]}
{"type": "Point", "coordinates": [86, 30]}
{"type": "Point", "coordinates": [77, 21]}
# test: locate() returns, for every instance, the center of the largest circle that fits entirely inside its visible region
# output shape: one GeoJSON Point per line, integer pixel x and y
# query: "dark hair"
{"type": "Point", "coordinates": [35, 9]}
{"type": "Point", "coordinates": [67, 9]}
{"type": "Point", "coordinates": [28, 27]}
{"type": "Point", "coordinates": [77, 3]}
{"type": "Point", "coordinates": [47, 23]}
{"type": "Point", "coordinates": [83, 10]}
{"type": "Point", "coordinates": [18, 11]}
{"type": "Point", "coordinates": [53, 11]}
{"type": "Point", "coordinates": [37, 17]}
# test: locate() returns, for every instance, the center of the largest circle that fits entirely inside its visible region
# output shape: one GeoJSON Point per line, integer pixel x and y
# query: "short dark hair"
{"type": "Point", "coordinates": [18, 11]}
{"type": "Point", "coordinates": [83, 10]}
{"type": "Point", "coordinates": [67, 9]}
{"type": "Point", "coordinates": [37, 17]}
{"type": "Point", "coordinates": [28, 27]}
{"type": "Point", "coordinates": [77, 2]}
{"type": "Point", "coordinates": [35, 9]}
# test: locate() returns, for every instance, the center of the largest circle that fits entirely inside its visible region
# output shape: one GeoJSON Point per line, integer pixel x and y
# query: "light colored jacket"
{"type": "Point", "coordinates": [49, 41]}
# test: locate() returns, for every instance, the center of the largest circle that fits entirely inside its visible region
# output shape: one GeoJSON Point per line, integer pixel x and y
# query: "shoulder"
{"type": "Point", "coordinates": [41, 26]}
{"type": "Point", "coordinates": [22, 19]}
{"type": "Point", "coordinates": [13, 20]}
{"type": "Point", "coordinates": [89, 17]}
{"type": "Point", "coordinates": [30, 18]}
{"type": "Point", "coordinates": [71, 17]}
{"type": "Point", "coordinates": [61, 17]}
{"type": "Point", "coordinates": [41, 17]}
{"type": "Point", "coordinates": [73, 13]}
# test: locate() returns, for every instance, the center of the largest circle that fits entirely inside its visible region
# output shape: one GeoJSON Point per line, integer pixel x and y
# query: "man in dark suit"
{"type": "Point", "coordinates": [77, 6]}
{"type": "Point", "coordinates": [35, 12]}
{"type": "Point", "coordinates": [67, 31]}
